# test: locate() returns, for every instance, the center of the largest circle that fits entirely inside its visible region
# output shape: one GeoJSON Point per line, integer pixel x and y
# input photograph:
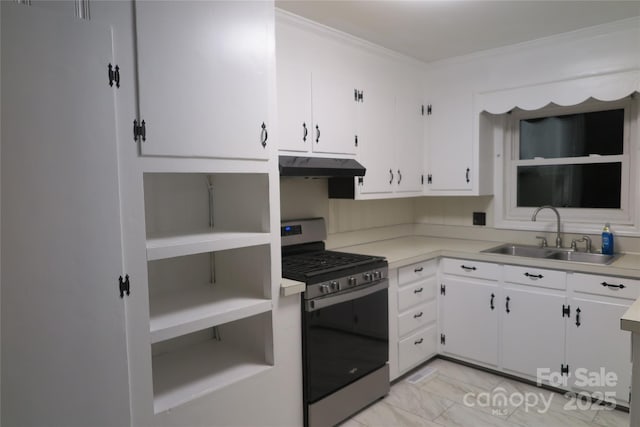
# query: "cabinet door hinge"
{"type": "Point", "coordinates": [124, 285]}
{"type": "Point", "coordinates": [429, 110]}
{"type": "Point", "coordinates": [429, 179]}
{"type": "Point", "coordinates": [564, 369]}
{"type": "Point", "coordinates": [443, 289]}
{"type": "Point", "coordinates": [566, 310]}
{"type": "Point", "coordinates": [442, 339]}
{"type": "Point", "coordinates": [139, 131]}
{"type": "Point", "coordinates": [114, 75]}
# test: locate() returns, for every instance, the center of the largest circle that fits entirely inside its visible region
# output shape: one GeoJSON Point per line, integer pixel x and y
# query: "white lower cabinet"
{"type": "Point", "coordinates": [416, 315]}
{"type": "Point", "coordinates": [469, 319]}
{"type": "Point", "coordinates": [533, 320]}
{"type": "Point", "coordinates": [598, 351]}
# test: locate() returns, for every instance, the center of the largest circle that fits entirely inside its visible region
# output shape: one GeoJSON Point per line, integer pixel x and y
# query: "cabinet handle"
{"type": "Point", "coordinates": [317, 134]}
{"type": "Point", "coordinates": [578, 316]}
{"type": "Point", "coordinates": [418, 341]}
{"type": "Point", "coordinates": [612, 286]}
{"type": "Point", "coordinates": [264, 135]}
{"type": "Point", "coordinates": [467, 176]}
{"type": "Point", "coordinates": [417, 315]}
{"type": "Point", "coordinates": [305, 132]}
{"type": "Point", "coordinates": [491, 302]}
{"type": "Point", "coordinates": [391, 176]}
{"type": "Point", "coordinates": [464, 267]}
{"type": "Point", "coordinates": [508, 309]}
{"type": "Point", "coordinates": [399, 177]}
{"type": "Point", "coordinates": [417, 291]}
{"type": "Point", "coordinates": [418, 269]}
{"type": "Point", "coordinates": [534, 276]}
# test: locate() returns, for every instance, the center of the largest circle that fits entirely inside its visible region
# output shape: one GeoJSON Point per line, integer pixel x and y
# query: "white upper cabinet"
{"type": "Point", "coordinates": [376, 150]}
{"type": "Point", "coordinates": [409, 135]}
{"type": "Point", "coordinates": [390, 134]}
{"type": "Point", "coordinates": [450, 145]}
{"type": "Point", "coordinates": [334, 109]}
{"type": "Point", "coordinates": [203, 78]}
{"type": "Point", "coordinates": [316, 83]}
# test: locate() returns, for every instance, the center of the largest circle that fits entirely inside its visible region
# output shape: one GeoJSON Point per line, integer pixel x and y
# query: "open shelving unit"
{"type": "Point", "coordinates": [209, 268]}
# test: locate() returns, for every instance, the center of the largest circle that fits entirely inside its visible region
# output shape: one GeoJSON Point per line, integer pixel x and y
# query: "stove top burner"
{"type": "Point", "coordinates": [321, 262]}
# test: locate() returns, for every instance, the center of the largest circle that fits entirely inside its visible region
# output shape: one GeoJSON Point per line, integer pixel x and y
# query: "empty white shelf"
{"type": "Point", "coordinates": [174, 245]}
{"type": "Point", "coordinates": [182, 312]}
{"type": "Point", "coordinates": [192, 372]}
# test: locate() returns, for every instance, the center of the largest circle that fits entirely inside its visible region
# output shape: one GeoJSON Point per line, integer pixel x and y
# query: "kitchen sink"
{"type": "Point", "coordinates": [521, 250]}
{"type": "Point", "coordinates": [561, 254]}
{"type": "Point", "coordinates": [574, 256]}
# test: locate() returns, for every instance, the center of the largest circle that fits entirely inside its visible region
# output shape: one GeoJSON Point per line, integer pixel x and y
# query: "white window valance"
{"type": "Point", "coordinates": [603, 87]}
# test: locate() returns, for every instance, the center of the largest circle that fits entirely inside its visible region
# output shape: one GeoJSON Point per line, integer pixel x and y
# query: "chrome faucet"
{"type": "Point", "coordinates": [533, 218]}
{"type": "Point", "coordinates": [586, 239]}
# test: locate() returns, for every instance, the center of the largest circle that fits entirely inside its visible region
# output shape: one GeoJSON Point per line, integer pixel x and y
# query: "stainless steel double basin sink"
{"type": "Point", "coordinates": [561, 254]}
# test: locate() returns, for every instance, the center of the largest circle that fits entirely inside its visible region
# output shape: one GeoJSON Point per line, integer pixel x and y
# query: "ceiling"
{"type": "Point", "coordinates": [434, 30]}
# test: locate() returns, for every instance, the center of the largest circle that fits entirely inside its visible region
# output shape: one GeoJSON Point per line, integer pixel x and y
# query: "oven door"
{"type": "Point", "coordinates": [345, 337]}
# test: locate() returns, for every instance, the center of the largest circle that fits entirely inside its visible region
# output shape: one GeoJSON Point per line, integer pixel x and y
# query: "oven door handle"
{"type": "Point", "coordinates": [318, 303]}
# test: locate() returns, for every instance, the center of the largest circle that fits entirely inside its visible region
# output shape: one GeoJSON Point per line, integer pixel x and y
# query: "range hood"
{"type": "Point", "coordinates": [320, 167]}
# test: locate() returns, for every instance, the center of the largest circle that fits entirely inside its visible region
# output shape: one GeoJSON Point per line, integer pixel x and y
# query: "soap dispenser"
{"type": "Point", "coordinates": [607, 240]}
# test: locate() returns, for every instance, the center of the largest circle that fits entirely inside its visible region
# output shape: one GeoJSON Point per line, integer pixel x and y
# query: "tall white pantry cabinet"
{"type": "Point", "coordinates": [140, 218]}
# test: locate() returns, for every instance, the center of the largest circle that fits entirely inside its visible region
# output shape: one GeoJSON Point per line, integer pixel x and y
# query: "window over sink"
{"type": "Point", "coordinates": [581, 159]}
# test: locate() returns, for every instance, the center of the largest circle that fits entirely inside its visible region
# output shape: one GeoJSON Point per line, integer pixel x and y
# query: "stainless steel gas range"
{"type": "Point", "coordinates": [345, 326]}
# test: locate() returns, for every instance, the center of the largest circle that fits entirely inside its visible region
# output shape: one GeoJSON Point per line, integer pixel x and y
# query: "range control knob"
{"type": "Point", "coordinates": [352, 281]}
{"type": "Point", "coordinates": [377, 275]}
{"type": "Point", "coordinates": [335, 286]}
{"type": "Point", "coordinates": [324, 289]}
{"type": "Point", "coordinates": [367, 277]}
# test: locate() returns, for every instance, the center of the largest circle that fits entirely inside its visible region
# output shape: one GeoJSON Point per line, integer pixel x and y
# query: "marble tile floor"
{"type": "Point", "coordinates": [439, 401]}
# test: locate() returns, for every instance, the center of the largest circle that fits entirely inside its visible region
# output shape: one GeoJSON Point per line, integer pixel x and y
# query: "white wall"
{"type": "Point", "coordinates": [306, 198]}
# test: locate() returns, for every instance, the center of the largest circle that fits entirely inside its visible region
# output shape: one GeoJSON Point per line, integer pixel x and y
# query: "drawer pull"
{"type": "Point", "coordinates": [418, 341]}
{"type": "Point", "coordinates": [578, 317]}
{"type": "Point", "coordinates": [417, 315]}
{"type": "Point", "coordinates": [534, 276]}
{"type": "Point", "coordinates": [417, 291]}
{"type": "Point", "coordinates": [418, 270]}
{"type": "Point", "coordinates": [491, 303]}
{"type": "Point", "coordinates": [611, 286]}
{"type": "Point", "coordinates": [507, 305]}
{"type": "Point", "coordinates": [464, 267]}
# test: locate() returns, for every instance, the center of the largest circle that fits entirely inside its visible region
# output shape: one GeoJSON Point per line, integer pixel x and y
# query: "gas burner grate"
{"type": "Point", "coordinates": [321, 262]}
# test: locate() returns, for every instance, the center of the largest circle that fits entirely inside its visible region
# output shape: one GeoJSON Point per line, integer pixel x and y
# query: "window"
{"type": "Point", "coordinates": [578, 159]}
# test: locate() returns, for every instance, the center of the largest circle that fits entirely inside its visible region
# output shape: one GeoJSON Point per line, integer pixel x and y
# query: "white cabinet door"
{"type": "Point", "coordinates": [595, 341]}
{"type": "Point", "coordinates": [334, 110]}
{"type": "Point", "coordinates": [295, 125]}
{"type": "Point", "coordinates": [376, 150]}
{"type": "Point", "coordinates": [450, 154]}
{"type": "Point", "coordinates": [203, 77]}
{"type": "Point", "coordinates": [469, 324]}
{"type": "Point", "coordinates": [533, 331]}
{"type": "Point", "coordinates": [64, 350]}
{"type": "Point", "coordinates": [409, 136]}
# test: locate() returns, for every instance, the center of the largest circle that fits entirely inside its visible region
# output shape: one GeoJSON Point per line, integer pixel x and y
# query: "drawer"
{"type": "Point", "coordinates": [417, 293]}
{"type": "Point", "coordinates": [420, 270]}
{"type": "Point", "coordinates": [462, 267]}
{"type": "Point", "coordinates": [417, 348]}
{"type": "Point", "coordinates": [417, 317]}
{"type": "Point", "coordinates": [610, 286]}
{"type": "Point", "coordinates": [552, 279]}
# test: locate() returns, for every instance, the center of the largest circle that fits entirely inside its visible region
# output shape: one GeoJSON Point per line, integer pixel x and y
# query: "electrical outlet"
{"type": "Point", "coordinates": [479, 218]}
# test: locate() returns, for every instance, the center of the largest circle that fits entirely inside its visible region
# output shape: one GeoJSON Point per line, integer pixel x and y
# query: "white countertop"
{"type": "Point", "coordinates": [407, 250]}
